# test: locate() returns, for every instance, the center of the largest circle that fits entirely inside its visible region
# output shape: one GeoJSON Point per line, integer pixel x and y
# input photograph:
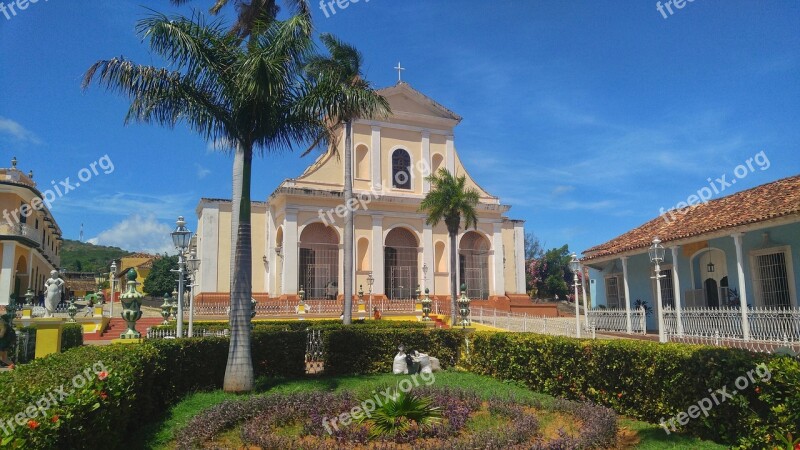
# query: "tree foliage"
{"type": "Point", "coordinates": [160, 280]}
{"type": "Point", "coordinates": [550, 274]}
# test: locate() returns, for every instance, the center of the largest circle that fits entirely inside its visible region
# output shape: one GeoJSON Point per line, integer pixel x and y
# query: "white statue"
{"type": "Point", "coordinates": [53, 296]}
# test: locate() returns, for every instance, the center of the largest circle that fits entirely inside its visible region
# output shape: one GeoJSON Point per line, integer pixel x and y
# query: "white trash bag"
{"type": "Point", "coordinates": [399, 366]}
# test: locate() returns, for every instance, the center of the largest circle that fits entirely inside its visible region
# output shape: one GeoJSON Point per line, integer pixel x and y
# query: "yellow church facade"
{"type": "Point", "coordinates": [298, 232]}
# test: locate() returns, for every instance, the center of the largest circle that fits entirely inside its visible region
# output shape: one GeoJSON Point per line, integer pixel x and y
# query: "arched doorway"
{"type": "Point", "coordinates": [21, 277]}
{"type": "Point", "coordinates": [400, 264]}
{"type": "Point", "coordinates": [473, 264]}
{"type": "Point", "coordinates": [318, 270]}
{"type": "Point", "coordinates": [712, 272]}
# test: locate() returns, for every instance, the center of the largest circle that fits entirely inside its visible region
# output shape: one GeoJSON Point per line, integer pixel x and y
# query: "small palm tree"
{"type": "Point", "coordinates": [450, 200]}
{"type": "Point", "coordinates": [401, 412]}
{"type": "Point", "coordinates": [244, 93]}
{"type": "Point", "coordinates": [346, 96]}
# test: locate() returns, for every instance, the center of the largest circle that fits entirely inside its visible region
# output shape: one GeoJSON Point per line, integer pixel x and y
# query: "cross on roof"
{"type": "Point", "coordinates": [399, 70]}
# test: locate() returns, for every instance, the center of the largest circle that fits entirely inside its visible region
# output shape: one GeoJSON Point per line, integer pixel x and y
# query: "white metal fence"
{"type": "Point", "coordinates": [523, 323]}
{"type": "Point", "coordinates": [765, 324]}
{"type": "Point", "coordinates": [616, 320]}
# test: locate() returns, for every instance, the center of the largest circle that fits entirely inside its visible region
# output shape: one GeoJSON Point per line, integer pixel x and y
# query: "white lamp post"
{"type": "Point", "coordinates": [192, 264]}
{"type": "Point", "coordinates": [575, 266]}
{"type": "Point", "coordinates": [370, 280]}
{"type": "Point", "coordinates": [180, 237]}
{"type": "Point", "coordinates": [657, 257]}
{"type": "Point", "coordinates": [113, 285]}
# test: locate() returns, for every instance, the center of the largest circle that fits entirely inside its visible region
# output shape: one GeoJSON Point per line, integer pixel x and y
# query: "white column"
{"type": "Point", "coordinates": [208, 250]}
{"type": "Point", "coordinates": [519, 255]}
{"type": "Point", "coordinates": [272, 257]}
{"type": "Point", "coordinates": [676, 281]}
{"type": "Point", "coordinates": [427, 256]}
{"type": "Point", "coordinates": [737, 240]}
{"type": "Point", "coordinates": [584, 280]}
{"type": "Point", "coordinates": [426, 157]}
{"type": "Point", "coordinates": [377, 254]}
{"type": "Point", "coordinates": [7, 272]}
{"type": "Point", "coordinates": [375, 157]}
{"type": "Point", "coordinates": [498, 286]}
{"type": "Point", "coordinates": [30, 269]}
{"type": "Point", "coordinates": [289, 252]}
{"type": "Point", "coordinates": [627, 294]}
{"type": "Point", "coordinates": [450, 155]}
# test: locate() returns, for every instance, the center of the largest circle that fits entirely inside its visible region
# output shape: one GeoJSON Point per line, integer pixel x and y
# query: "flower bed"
{"type": "Point", "coordinates": [304, 421]}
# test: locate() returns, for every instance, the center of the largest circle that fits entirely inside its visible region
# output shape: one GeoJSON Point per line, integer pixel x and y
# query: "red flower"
{"type": "Point", "coordinates": [54, 419]}
{"type": "Point", "coordinates": [103, 395]}
{"type": "Point", "coordinates": [102, 375]}
{"type": "Point", "coordinates": [796, 446]}
{"type": "Point", "coordinates": [32, 424]}
{"type": "Point", "coordinates": [619, 395]}
{"type": "Point", "coordinates": [758, 390]}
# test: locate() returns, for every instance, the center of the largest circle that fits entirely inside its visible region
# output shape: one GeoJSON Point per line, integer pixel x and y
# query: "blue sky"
{"type": "Point", "coordinates": [587, 117]}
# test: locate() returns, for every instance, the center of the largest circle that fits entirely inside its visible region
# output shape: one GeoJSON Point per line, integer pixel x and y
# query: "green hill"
{"type": "Point", "coordinates": [84, 257]}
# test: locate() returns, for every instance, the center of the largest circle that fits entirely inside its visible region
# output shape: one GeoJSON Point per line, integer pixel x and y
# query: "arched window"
{"type": "Point", "coordinates": [401, 169]}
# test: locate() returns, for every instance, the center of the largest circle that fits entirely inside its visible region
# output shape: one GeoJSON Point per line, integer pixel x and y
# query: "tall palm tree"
{"type": "Point", "coordinates": [245, 93]}
{"type": "Point", "coordinates": [347, 96]}
{"type": "Point", "coordinates": [450, 200]}
{"type": "Point", "coordinates": [250, 13]}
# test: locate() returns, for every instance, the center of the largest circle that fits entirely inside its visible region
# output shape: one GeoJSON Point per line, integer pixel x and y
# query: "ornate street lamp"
{"type": "Point", "coordinates": [192, 265]}
{"type": "Point", "coordinates": [656, 253]}
{"type": "Point", "coordinates": [181, 237]}
{"type": "Point", "coordinates": [575, 266]}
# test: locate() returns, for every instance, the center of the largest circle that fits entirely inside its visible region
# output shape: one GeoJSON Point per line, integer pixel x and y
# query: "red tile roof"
{"type": "Point", "coordinates": [769, 201]}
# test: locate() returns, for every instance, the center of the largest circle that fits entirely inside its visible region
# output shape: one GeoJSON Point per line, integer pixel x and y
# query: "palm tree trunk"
{"type": "Point", "coordinates": [239, 370]}
{"type": "Point", "coordinates": [453, 282]}
{"type": "Point", "coordinates": [348, 226]}
{"type": "Point", "coordinates": [236, 199]}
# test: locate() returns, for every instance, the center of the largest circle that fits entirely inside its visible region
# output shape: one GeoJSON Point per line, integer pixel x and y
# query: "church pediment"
{"type": "Point", "coordinates": [409, 104]}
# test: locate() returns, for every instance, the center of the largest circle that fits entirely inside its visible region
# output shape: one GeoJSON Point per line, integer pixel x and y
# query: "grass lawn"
{"type": "Point", "coordinates": [159, 435]}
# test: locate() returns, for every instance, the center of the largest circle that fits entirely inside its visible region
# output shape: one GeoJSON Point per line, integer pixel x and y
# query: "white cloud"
{"type": "Point", "coordinates": [163, 206]}
{"type": "Point", "coordinates": [16, 131]}
{"type": "Point", "coordinates": [202, 172]}
{"type": "Point", "coordinates": [139, 234]}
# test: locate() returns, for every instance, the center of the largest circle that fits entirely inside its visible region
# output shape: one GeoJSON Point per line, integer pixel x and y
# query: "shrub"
{"type": "Point", "coordinates": [356, 350]}
{"type": "Point", "coordinates": [650, 381]}
{"type": "Point", "coordinates": [71, 336]}
{"type": "Point", "coordinates": [143, 381]}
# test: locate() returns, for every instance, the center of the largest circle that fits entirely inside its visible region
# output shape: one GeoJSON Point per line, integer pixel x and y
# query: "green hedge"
{"type": "Point", "coordinates": [651, 381]}
{"type": "Point", "coordinates": [144, 380]}
{"type": "Point", "coordinates": [71, 336]}
{"type": "Point", "coordinates": [357, 350]}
